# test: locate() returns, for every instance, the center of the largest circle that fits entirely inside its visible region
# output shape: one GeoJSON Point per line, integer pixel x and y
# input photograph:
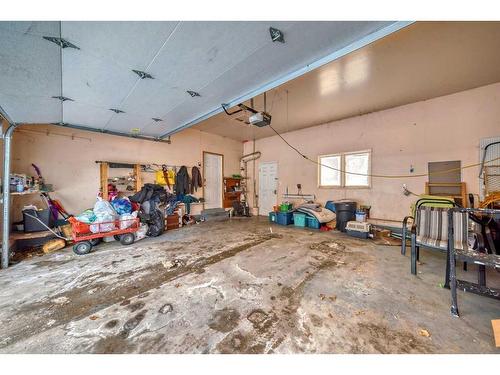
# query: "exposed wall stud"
{"type": "Point", "coordinates": [63, 43]}
{"type": "Point", "coordinates": [193, 93]}
{"type": "Point", "coordinates": [142, 74]}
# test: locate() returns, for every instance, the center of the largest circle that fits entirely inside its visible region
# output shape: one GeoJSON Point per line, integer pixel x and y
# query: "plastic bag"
{"type": "Point", "coordinates": [103, 223]}
{"type": "Point", "coordinates": [127, 220]}
{"type": "Point", "coordinates": [122, 206]}
{"type": "Point", "coordinates": [105, 213]}
{"type": "Point", "coordinates": [160, 178]}
{"type": "Point", "coordinates": [86, 217]}
{"type": "Point", "coordinates": [141, 233]}
{"type": "Point", "coordinates": [102, 208]}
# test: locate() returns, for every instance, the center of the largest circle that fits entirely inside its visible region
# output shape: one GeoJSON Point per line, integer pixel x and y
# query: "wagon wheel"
{"type": "Point", "coordinates": [127, 239]}
{"type": "Point", "coordinates": [82, 248]}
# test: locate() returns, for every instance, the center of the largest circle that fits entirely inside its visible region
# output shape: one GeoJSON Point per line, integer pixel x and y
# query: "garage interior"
{"type": "Point", "coordinates": [250, 187]}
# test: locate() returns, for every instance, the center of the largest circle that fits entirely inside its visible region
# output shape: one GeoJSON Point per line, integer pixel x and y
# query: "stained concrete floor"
{"type": "Point", "coordinates": [235, 287]}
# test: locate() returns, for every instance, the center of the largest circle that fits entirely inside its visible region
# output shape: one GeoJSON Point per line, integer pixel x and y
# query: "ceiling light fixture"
{"type": "Point", "coordinates": [142, 75]}
{"type": "Point", "coordinates": [193, 93]}
{"type": "Point", "coordinates": [116, 110]}
{"type": "Point", "coordinates": [63, 98]}
{"type": "Point", "coordinates": [276, 35]}
{"type": "Point", "coordinates": [63, 43]}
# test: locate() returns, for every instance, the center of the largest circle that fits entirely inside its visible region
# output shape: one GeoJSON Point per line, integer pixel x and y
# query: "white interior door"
{"type": "Point", "coordinates": [212, 191]}
{"type": "Point", "coordinates": [268, 187]}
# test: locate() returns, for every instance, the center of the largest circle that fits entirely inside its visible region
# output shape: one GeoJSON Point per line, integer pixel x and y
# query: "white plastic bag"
{"type": "Point", "coordinates": [105, 213]}
{"type": "Point", "coordinates": [141, 233]}
{"type": "Point", "coordinates": [127, 220]}
{"type": "Point", "coordinates": [103, 208]}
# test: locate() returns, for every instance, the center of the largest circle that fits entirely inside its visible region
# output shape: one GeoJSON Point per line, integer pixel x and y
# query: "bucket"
{"type": "Point", "coordinates": [285, 207]}
{"type": "Point", "coordinates": [346, 211]}
{"type": "Point", "coordinates": [361, 216]}
{"type": "Point", "coordinates": [366, 210]}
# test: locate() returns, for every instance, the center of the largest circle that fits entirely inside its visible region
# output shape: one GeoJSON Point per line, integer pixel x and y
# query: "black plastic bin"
{"type": "Point", "coordinates": [33, 225]}
{"type": "Point", "coordinates": [345, 211]}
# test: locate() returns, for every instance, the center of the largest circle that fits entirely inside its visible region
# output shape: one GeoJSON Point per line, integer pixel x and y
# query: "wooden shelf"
{"type": "Point", "coordinates": [105, 179]}
{"type": "Point", "coordinates": [461, 196]}
{"type": "Point", "coordinates": [230, 195]}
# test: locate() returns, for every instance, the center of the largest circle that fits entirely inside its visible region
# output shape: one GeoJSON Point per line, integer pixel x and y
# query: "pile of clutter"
{"type": "Point", "coordinates": [106, 216]}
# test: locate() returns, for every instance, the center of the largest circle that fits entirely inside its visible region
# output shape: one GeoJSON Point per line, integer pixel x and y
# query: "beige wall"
{"type": "Point", "coordinates": [69, 163]}
{"type": "Point", "coordinates": [445, 128]}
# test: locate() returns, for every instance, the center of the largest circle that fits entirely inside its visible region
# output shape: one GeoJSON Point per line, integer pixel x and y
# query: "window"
{"type": "Point", "coordinates": [328, 176]}
{"type": "Point", "coordinates": [357, 163]}
{"type": "Point", "coordinates": [355, 167]}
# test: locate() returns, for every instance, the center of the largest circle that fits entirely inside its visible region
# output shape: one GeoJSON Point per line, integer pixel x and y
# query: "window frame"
{"type": "Point", "coordinates": [343, 167]}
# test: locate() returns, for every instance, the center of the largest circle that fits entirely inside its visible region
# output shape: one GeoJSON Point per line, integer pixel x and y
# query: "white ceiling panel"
{"type": "Point", "coordinates": [153, 98]}
{"type": "Point", "coordinates": [222, 61]}
{"type": "Point", "coordinates": [128, 122]}
{"type": "Point", "coordinates": [94, 81]}
{"type": "Point", "coordinates": [130, 45]}
{"type": "Point", "coordinates": [36, 28]}
{"type": "Point", "coordinates": [31, 109]}
{"type": "Point", "coordinates": [78, 113]}
{"type": "Point", "coordinates": [30, 71]}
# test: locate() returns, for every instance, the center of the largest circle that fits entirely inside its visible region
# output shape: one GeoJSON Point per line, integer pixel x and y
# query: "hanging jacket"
{"type": "Point", "coordinates": [182, 181]}
{"type": "Point", "coordinates": [196, 180]}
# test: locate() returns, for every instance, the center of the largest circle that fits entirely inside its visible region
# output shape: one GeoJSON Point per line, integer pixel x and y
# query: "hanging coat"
{"type": "Point", "coordinates": [182, 181]}
{"type": "Point", "coordinates": [196, 180]}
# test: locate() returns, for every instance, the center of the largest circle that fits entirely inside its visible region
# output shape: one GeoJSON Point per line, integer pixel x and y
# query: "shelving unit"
{"type": "Point", "coordinates": [104, 176]}
{"type": "Point", "coordinates": [230, 194]}
{"type": "Point", "coordinates": [448, 190]}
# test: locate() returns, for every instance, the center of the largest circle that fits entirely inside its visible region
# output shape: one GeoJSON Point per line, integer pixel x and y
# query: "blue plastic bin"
{"type": "Point", "coordinates": [272, 217]}
{"type": "Point", "coordinates": [299, 219]}
{"type": "Point", "coordinates": [284, 218]}
{"type": "Point", "coordinates": [330, 205]}
{"type": "Point", "coordinates": [313, 223]}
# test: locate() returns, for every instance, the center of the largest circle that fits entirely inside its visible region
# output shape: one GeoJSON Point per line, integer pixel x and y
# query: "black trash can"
{"type": "Point", "coordinates": [345, 211]}
{"type": "Point", "coordinates": [33, 219]}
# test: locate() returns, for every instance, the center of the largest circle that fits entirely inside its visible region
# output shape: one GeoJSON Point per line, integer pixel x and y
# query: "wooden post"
{"type": "Point", "coordinates": [138, 177]}
{"type": "Point", "coordinates": [104, 180]}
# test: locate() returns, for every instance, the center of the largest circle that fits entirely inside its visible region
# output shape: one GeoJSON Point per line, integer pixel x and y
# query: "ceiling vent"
{"type": "Point", "coordinates": [63, 43]}
{"type": "Point", "coordinates": [276, 35]}
{"type": "Point", "coordinates": [63, 98]}
{"type": "Point", "coordinates": [142, 75]}
{"type": "Point", "coordinates": [116, 110]}
{"type": "Point", "coordinates": [193, 93]}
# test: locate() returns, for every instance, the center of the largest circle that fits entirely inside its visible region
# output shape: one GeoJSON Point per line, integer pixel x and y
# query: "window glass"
{"type": "Point", "coordinates": [357, 163]}
{"type": "Point", "coordinates": [328, 176]}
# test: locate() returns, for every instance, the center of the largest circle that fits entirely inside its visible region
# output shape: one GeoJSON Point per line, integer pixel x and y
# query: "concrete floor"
{"type": "Point", "coordinates": [233, 287]}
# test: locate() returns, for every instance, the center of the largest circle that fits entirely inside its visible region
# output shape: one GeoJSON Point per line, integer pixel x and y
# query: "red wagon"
{"type": "Point", "coordinates": [84, 238]}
